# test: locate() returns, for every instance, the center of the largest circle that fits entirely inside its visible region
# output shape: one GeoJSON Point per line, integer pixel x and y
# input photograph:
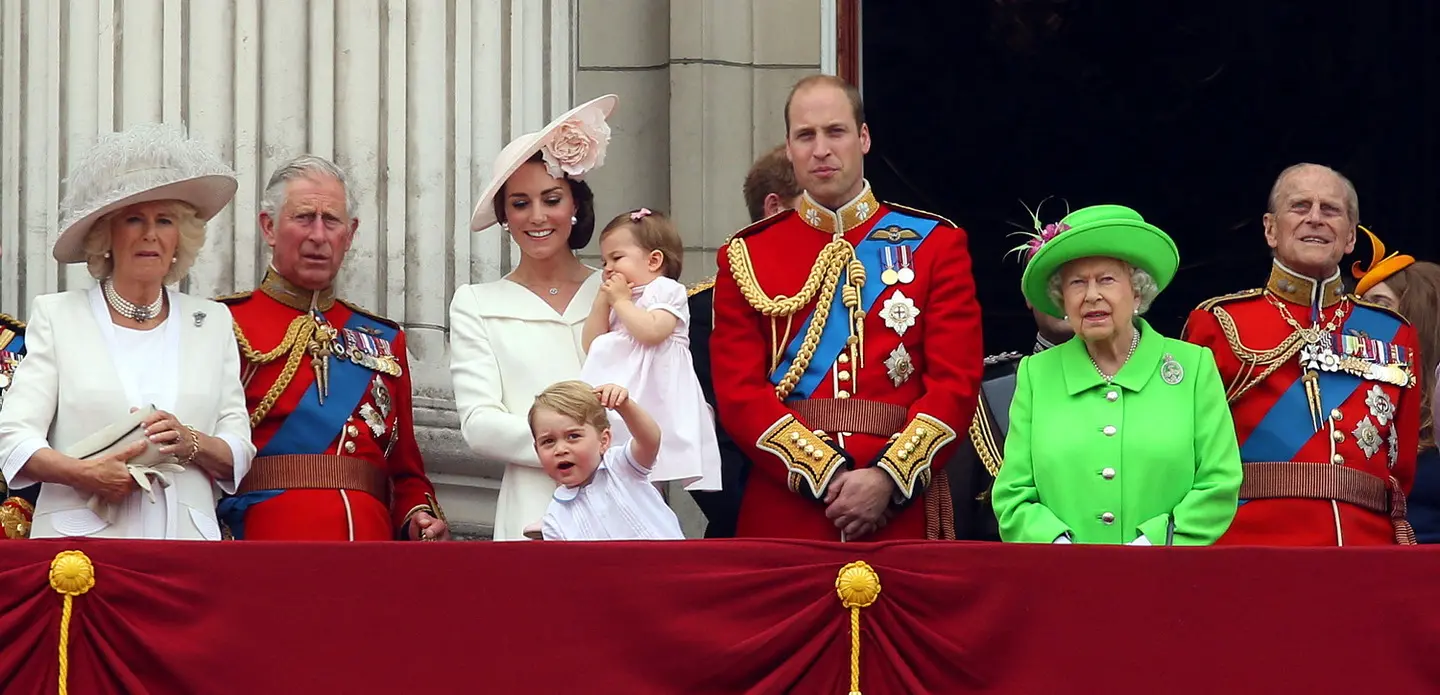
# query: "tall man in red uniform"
{"type": "Point", "coordinates": [851, 342]}
{"type": "Point", "coordinates": [327, 385]}
{"type": "Point", "coordinates": [1323, 387]}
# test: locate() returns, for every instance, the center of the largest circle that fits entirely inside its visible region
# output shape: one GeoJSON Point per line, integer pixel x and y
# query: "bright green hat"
{"type": "Point", "coordinates": [1109, 231]}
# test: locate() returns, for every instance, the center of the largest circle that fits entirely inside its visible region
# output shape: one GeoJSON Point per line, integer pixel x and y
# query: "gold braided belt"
{"type": "Point", "coordinates": [835, 258]}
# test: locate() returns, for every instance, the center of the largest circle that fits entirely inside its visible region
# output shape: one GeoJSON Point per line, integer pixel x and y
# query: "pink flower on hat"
{"type": "Point", "coordinates": [1042, 234]}
{"type": "Point", "coordinates": [577, 145]}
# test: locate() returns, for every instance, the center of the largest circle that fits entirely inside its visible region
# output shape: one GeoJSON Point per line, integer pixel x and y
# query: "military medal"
{"type": "Point", "coordinates": [899, 313]}
{"type": "Point", "coordinates": [906, 274]}
{"type": "Point", "coordinates": [898, 366]}
{"type": "Point", "coordinates": [1367, 437]}
{"type": "Point", "coordinates": [1381, 407]}
{"type": "Point", "coordinates": [1171, 371]}
{"type": "Point", "coordinates": [381, 395]}
{"type": "Point", "coordinates": [373, 420]}
{"type": "Point", "coordinates": [889, 275]}
{"type": "Point", "coordinates": [1394, 452]}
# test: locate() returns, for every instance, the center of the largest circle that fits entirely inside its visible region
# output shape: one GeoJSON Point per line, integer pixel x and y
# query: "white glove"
{"type": "Point", "coordinates": [1141, 540]}
{"type": "Point", "coordinates": [1062, 540]}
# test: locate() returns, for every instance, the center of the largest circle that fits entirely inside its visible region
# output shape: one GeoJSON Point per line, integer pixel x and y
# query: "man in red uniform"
{"type": "Point", "coordinates": [1322, 387]}
{"type": "Point", "coordinates": [852, 349]}
{"type": "Point", "coordinates": [327, 384]}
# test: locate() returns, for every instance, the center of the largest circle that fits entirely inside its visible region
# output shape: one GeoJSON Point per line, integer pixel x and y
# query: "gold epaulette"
{"type": "Point", "coordinates": [12, 323]}
{"type": "Point", "coordinates": [1371, 305]}
{"type": "Point", "coordinates": [757, 226]}
{"type": "Point", "coordinates": [368, 314]}
{"type": "Point", "coordinates": [699, 287]}
{"type": "Point", "coordinates": [1213, 302]}
{"type": "Point", "coordinates": [921, 213]}
{"type": "Point", "coordinates": [235, 298]}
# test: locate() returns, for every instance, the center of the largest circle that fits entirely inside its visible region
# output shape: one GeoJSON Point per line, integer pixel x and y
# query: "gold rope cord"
{"type": "Point", "coordinates": [297, 337]}
{"type": "Point", "coordinates": [71, 574]}
{"type": "Point", "coordinates": [1250, 358]}
{"type": "Point", "coordinates": [858, 586]}
{"type": "Point", "coordinates": [823, 279]}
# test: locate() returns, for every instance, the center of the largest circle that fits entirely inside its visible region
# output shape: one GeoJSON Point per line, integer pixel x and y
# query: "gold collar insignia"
{"type": "Point", "coordinates": [294, 296]}
{"type": "Point", "coordinates": [838, 222]}
{"type": "Point", "coordinates": [1298, 289]}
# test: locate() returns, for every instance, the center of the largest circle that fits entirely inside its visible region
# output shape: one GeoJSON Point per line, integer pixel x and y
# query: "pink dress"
{"type": "Point", "coordinates": [661, 378]}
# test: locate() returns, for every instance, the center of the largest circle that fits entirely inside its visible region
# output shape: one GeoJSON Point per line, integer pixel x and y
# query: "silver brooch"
{"type": "Point", "coordinates": [199, 319]}
{"type": "Point", "coordinates": [1171, 371]}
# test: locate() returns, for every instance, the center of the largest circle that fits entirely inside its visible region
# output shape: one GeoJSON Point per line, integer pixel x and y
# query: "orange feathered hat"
{"type": "Point", "coordinates": [1381, 265]}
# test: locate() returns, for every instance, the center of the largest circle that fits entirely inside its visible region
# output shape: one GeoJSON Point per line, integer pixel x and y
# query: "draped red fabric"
{"type": "Point", "coordinates": [724, 616]}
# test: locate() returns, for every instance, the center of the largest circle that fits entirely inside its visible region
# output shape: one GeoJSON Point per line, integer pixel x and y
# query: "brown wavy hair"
{"type": "Point", "coordinates": [653, 232]}
{"type": "Point", "coordinates": [1418, 287]}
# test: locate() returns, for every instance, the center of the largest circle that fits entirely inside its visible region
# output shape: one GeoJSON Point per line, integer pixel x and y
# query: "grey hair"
{"type": "Point", "coordinates": [1141, 283]}
{"type": "Point", "coordinates": [306, 166]}
{"type": "Point", "coordinates": [98, 242]}
{"type": "Point", "coordinates": [1352, 199]}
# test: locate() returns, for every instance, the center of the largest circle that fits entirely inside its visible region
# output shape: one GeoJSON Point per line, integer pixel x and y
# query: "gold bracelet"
{"type": "Point", "coordinates": [194, 446]}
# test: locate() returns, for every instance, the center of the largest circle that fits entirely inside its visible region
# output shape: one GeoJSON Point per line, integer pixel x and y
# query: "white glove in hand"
{"type": "Point", "coordinates": [1142, 540]}
{"type": "Point", "coordinates": [1062, 540]}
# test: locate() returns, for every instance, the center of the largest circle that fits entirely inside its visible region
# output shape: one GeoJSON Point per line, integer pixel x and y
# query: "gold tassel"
{"type": "Point", "coordinates": [1312, 396]}
{"type": "Point", "coordinates": [858, 586]}
{"type": "Point", "coordinates": [71, 574]}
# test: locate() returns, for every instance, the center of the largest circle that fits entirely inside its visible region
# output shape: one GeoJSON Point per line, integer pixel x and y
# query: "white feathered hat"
{"type": "Point", "coordinates": [572, 144]}
{"type": "Point", "coordinates": [148, 162]}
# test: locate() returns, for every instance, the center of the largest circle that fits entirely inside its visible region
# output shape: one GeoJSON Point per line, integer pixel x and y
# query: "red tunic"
{"type": "Point", "coordinates": [931, 372]}
{"type": "Point", "coordinates": [310, 514]}
{"type": "Point", "coordinates": [1271, 421]}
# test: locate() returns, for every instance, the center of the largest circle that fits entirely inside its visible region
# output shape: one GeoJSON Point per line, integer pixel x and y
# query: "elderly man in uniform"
{"type": "Point", "coordinates": [769, 189]}
{"type": "Point", "coordinates": [16, 510]}
{"type": "Point", "coordinates": [327, 384]}
{"type": "Point", "coordinates": [979, 456]}
{"type": "Point", "coordinates": [1322, 386]}
{"type": "Point", "coordinates": [852, 345]}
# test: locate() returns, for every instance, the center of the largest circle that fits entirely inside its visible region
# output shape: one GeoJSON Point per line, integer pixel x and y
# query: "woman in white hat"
{"type": "Point", "coordinates": [511, 338]}
{"type": "Point", "coordinates": [129, 405]}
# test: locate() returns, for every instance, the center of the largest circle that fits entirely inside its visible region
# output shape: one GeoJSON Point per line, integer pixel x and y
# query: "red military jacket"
{"type": "Point", "coordinates": [17, 509]}
{"type": "Point", "coordinates": [1350, 413]}
{"type": "Point", "coordinates": [904, 377]}
{"type": "Point", "coordinates": [366, 415]}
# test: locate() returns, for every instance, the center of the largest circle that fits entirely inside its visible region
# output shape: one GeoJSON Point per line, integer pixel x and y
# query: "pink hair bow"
{"type": "Point", "coordinates": [640, 214]}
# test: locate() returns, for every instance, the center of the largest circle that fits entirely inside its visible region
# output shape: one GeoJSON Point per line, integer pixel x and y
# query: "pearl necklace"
{"type": "Point", "coordinates": [1134, 342]}
{"type": "Point", "coordinates": [128, 309]}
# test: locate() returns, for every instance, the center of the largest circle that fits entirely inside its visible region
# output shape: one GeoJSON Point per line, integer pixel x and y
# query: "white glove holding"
{"type": "Point", "coordinates": [1142, 540]}
{"type": "Point", "coordinates": [1062, 540]}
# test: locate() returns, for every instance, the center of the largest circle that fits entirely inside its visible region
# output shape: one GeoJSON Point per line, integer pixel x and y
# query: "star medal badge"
{"type": "Point", "coordinates": [373, 420]}
{"type": "Point", "coordinates": [1171, 371]}
{"type": "Point", "coordinates": [381, 395]}
{"type": "Point", "coordinates": [898, 366]}
{"type": "Point", "coordinates": [899, 313]}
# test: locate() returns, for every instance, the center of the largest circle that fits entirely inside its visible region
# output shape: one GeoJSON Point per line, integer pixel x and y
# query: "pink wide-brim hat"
{"type": "Point", "coordinates": [521, 149]}
{"type": "Point", "coordinates": [145, 163]}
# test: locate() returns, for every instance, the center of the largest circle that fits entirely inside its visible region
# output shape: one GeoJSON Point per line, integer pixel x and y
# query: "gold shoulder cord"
{"type": "Point", "coordinates": [297, 337]}
{"type": "Point", "coordinates": [1268, 360]}
{"type": "Point", "coordinates": [823, 279]}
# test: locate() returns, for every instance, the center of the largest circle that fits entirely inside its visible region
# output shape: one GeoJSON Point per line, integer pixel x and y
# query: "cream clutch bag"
{"type": "Point", "coordinates": [148, 464]}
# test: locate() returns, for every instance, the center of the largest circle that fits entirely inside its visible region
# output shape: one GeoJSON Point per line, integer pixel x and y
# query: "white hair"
{"type": "Point", "coordinates": [1352, 199]}
{"type": "Point", "coordinates": [1141, 283]}
{"type": "Point", "coordinates": [306, 166]}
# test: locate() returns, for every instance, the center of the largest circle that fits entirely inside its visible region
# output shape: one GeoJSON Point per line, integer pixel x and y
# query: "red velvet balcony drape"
{"type": "Point", "coordinates": [720, 617]}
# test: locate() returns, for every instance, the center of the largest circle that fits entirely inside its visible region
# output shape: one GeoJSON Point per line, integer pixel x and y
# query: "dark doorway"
{"type": "Point", "coordinates": [1184, 111]}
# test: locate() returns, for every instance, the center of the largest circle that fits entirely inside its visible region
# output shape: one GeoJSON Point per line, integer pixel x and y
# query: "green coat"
{"type": "Point", "coordinates": [1106, 462]}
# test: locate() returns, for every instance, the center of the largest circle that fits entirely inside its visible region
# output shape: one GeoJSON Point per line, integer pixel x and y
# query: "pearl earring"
{"type": "Point", "coordinates": [505, 226]}
{"type": "Point", "coordinates": [107, 254]}
{"type": "Point", "coordinates": [574, 219]}
{"type": "Point", "coordinates": [173, 259]}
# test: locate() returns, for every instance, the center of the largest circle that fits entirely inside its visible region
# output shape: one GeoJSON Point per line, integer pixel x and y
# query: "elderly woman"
{"type": "Point", "coordinates": [129, 405]}
{"type": "Point", "coordinates": [1119, 435]}
{"type": "Point", "coordinates": [511, 338]}
{"type": "Point", "coordinates": [1411, 288]}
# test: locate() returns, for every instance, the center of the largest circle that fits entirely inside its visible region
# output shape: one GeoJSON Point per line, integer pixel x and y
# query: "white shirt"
{"type": "Point", "coordinates": [618, 503]}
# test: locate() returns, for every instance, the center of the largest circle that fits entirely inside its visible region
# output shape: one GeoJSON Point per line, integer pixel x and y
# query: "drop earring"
{"type": "Point", "coordinates": [505, 226]}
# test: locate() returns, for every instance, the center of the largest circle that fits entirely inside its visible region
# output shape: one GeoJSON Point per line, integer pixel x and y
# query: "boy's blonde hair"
{"type": "Point", "coordinates": [653, 231]}
{"type": "Point", "coordinates": [573, 399]}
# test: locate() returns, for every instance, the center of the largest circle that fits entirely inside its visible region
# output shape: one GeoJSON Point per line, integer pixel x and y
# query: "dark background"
{"type": "Point", "coordinates": [1185, 111]}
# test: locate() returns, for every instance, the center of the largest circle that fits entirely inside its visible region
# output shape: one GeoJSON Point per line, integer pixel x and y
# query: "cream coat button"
{"type": "Point", "coordinates": [1112, 396]}
{"type": "Point", "coordinates": [1109, 473]}
{"type": "Point", "coordinates": [1108, 518]}
{"type": "Point", "coordinates": [1109, 430]}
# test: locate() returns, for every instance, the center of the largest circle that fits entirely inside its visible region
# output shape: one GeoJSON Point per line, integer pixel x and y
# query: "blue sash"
{"type": "Point", "coordinates": [1287, 428]}
{"type": "Point", "coordinates": [837, 330]}
{"type": "Point", "coordinates": [311, 427]}
{"type": "Point", "coordinates": [16, 345]}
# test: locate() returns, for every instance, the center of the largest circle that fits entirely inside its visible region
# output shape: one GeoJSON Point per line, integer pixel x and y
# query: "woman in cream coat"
{"type": "Point", "coordinates": [135, 213]}
{"type": "Point", "coordinates": [511, 338]}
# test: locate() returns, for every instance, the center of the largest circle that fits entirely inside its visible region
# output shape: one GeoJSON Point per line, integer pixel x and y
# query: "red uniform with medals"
{"type": "Point", "coordinates": [1326, 408]}
{"type": "Point", "coordinates": [843, 339]}
{"type": "Point", "coordinates": [329, 399]}
{"type": "Point", "coordinates": [17, 507]}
